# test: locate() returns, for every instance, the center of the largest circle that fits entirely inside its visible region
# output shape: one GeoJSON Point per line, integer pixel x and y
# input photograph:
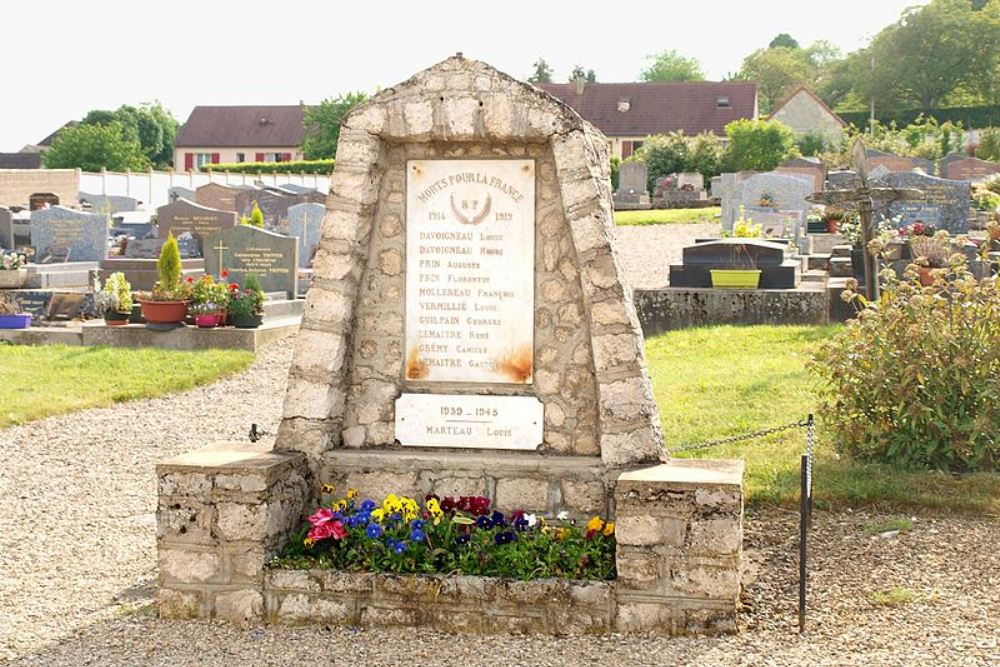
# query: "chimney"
{"type": "Point", "coordinates": [580, 83]}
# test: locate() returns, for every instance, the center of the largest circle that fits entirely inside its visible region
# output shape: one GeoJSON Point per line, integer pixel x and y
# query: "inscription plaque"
{"type": "Point", "coordinates": [470, 253]}
{"type": "Point", "coordinates": [458, 420]}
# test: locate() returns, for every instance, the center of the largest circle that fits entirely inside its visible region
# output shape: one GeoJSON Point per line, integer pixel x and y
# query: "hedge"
{"type": "Point", "coordinates": [292, 167]}
{"type": "Point", "coordinates": [969, 117]}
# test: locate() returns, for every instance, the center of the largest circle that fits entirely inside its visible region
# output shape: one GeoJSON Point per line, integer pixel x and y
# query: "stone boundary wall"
{"type": "Point", "coordinates": [672, 308]}
{"type": "Point", "coordinates": [225, 511]}
{"type": "Point", "coordinates": [445, 604]}
{"type": "Point", "coordinates": [17, 185]}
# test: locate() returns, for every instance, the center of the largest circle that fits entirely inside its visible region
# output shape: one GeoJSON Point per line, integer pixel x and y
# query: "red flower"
{"type": "Point", "coordinates": [224, 274]}
{"type": "Point", "coordinates": [328, 530]}
{"type": "Point", "coordinates": [233, 287]}
{"type": "Point", "coordinates": [322, 515]}
{"type": "Point", "coordinates": [189, 279]}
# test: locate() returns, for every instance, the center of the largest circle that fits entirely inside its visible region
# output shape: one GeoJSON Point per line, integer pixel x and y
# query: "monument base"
{"type": "Point", "coordinates": [226, 510]}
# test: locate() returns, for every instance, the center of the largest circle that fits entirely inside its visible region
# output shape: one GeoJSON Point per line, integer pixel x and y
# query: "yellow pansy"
{"type": "Point", "coordinates": [433, 506]}
{"type": "Point", "coordinates": [308, 542]}
{"type": "Point", "coordinates": [329, 488]}
{"type": "Point", "coordinates": [352, 494]}
{"type": "Point", "coordinates": [595, 524]}
{"type": "Point", "coordinates": [609, 529]}
{"type": "Point", "coordinates": [378, 514]}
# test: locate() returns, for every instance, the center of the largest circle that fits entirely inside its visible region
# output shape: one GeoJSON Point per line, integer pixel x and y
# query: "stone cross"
{"type": "Point", "coordinates": [220, 247]}
{"type": "Point", "coordinates": [863, 198]}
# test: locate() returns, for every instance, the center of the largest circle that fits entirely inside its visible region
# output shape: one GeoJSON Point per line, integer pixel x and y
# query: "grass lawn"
{"type": "Point", "coordinates": [719, 381]}
{"type": "Point", "coordinates": [672, 216]}
{"type": "Point", "coordinates": [37, 382]}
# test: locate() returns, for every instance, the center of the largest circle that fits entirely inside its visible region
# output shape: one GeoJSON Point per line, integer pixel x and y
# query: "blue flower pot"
{"type": "Point", "coordinates": [21, 321]}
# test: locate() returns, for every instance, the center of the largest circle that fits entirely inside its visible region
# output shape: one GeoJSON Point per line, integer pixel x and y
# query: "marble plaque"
{"type": "Point", "coordinates": [470, 255]}
{"type": "Point", "coordinates": [460, 420]}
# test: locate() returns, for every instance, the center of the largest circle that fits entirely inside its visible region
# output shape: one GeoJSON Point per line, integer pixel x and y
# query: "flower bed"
{"type": "Point", "coordinates": [462, 536]}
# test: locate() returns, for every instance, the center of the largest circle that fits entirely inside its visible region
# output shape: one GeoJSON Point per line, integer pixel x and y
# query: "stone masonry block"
{"type": "Point", "coordinates": [646, 530]}
{"type": "Point", "coordinates": [240, 606]}
{"type": "Point", "coordinates": [189, 566]}
{"type": "Point", "coordinates": [531, 495]}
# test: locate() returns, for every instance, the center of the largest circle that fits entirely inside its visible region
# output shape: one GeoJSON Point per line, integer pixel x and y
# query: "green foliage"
{"type": "Point", "coordinates": [669, 65]}
{"type": "Point", "coordinates": [95, 147]}
{"type": "Point", "coordinates": [249, 300]}
{"type": "Point", "coordinates": [989, 144]}
{"type": "Point", "coordinates": [116, 295]}
{"type": "Point", "coordinates": [291, 167]}
{"type": "Point", "coordinates": [759, 145]}
{"type": "Point", "coordinates": [579, 72]}
{"type": "Point", "coordinates": [776, 70]}
{"type": "Point", "coordinates": [811, 144]}
{"type": "Point", "coordinates": [668, 216]}
{"type": "Point", "coordinates": [783, 40]}
{"type": "Point", "coordinates": [616, 164]}
{"type": "Point", "coordinates": [401, 536]}
{"type": "Point", "coordinates": [542, 72]}
{"type": "Point", "coordinates": [256, 216]}
{"type": "Point", "coordinates": [666, 154]}
{"type": "Point", "coordinates": [915, 382]}
{"type": "Point", "coordinates": [322, 125]}
{"type": "Point", "coordinates": [152, 125]}
{"type": "Point", "coordinates": [925, 138]}
{"type": "Point", "coordinates": [894, 597]}
{"type": "Point", "coordinates": [901, 524]}
{"type": "Point", "coordinates": [168, 266]}
{"type": "Point", "coordinates": [970, 116]}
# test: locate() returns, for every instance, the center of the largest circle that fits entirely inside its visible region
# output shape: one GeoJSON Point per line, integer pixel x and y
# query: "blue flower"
{"type": "Point", "coordinates": [417, 535]}
{"type": "Point", "coordinates": [483, 522]}
{"type": "Point", "coordinates": [396, 517]}
{"type": "Point", "coordinates": [367, 505]}
{"type": "Point", "coordinates": [399, 547]}
{"type": "Point", "coordinates": [498, 519]}
{"type": "Point", "coordinates": [505, 537]}
{"type": "Point", "coordinates": [462, 539]}
{"type": "Point", "coordinates": [374, 531]}
{"type": "Point", "coordinates": [417, 524]}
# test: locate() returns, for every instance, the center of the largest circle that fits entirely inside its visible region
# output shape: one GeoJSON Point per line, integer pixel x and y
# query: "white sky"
{"type": "Point", "coordinates": [60, 59]}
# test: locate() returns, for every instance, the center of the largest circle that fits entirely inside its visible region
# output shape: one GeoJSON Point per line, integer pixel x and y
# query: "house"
{"type": "Point", "coordinates": [214, 134]}
{"type": "Point", "coordinates": [806, 113]}
{"type": "Point", "coordinates": [30, 157]}
{"type": "Point", "coordinates": [627, 113]}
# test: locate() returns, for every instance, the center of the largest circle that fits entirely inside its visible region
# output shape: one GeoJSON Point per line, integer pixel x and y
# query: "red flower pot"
{"type": "Point", "coordinates": [926, 279]}
{"type": "Point", "coordinates": [208, 320]}
{"type": "Point", "coordinates": [164, 312]}
{"type": "Point", "coordinates": [832, 226]}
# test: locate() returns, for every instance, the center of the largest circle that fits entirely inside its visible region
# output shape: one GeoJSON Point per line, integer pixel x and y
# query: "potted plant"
{"type": "Point", "coordinates": [743, 273]}
{"type": "Point", "coordinates": [833, 216]}
{"type": "Point", "coordinates": [207, 314]}
{"type": "Point", "coordinates": [766, 199]}
{"type": "Point", "coordinates": [206, 290]}
{"type": "Point", "coordinates": [12, 271]}
{"type": "Point", "coordinates": [166, 306]}
{"type": "Point", "coordinates": [246, 305]}
{"type": "Point", "coordinates": [11, 316]}
{"type": "Point", "coordinates": [114, 299]}
{"type": "Point", "coordinates": [931, 253]}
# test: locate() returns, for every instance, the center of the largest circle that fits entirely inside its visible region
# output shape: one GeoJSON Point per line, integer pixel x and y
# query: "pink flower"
{"type": "Point", "coordinates": [322, 515]}
{"type": "Point", "coordinates": [325, 531]}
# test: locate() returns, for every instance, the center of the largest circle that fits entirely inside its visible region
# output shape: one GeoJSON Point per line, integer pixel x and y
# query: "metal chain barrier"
{"type": "Point", "coordinates": [802, 423]}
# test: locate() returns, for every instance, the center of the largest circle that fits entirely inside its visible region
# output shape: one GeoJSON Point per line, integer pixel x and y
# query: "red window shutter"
{"type": "Point", "coordinates": [260, 157]}
{"type": "Point", "coordinates": [188, 161]}
{"type": "Point", "coordinates": [215, 158]}
{"type": "Point", "coordinates": [286, 157]}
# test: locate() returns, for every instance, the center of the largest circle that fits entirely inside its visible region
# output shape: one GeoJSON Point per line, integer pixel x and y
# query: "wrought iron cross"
{"type": "Point", "coordinates": [220, 248]}
{"type": "Point", "coordinates": [863, 198]}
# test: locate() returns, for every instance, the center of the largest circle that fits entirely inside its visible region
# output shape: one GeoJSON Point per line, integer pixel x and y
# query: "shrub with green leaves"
{"type": "Point", "coordinates": [256, 217]}
{"type": "Point", "coordinates": [759, 145]}
{"type": "Point", "coordinates": [290, 167]}
{"type": "Point", "coordinates": [168, 265]}
{"type": "Point", "coordinates": [914, 380]}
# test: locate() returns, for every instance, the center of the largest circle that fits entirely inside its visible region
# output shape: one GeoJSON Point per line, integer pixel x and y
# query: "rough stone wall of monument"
{"type": "Point", "coordinates": [17, 185]}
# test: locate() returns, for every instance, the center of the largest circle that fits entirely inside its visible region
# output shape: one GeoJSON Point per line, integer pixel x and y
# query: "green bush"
{"type": "Point", "coordinates": [759, 145]}
{"type": "Point", "coordinates": [989, 144]}
{"type": "Point", "coordinates": [915, 381]}
{"type": "Point", "coordinates": [169, 264]}
{"type": "Point", "coordinates": [666, 154]}
{"type": "Point", "coordinates": [256, 217]}
{"type": "Point", "coordinates": [812, 144]}
{"type": "Point", "coordinates": [616, 164]}
{"type": "Point", "coordinates": [291, 167]}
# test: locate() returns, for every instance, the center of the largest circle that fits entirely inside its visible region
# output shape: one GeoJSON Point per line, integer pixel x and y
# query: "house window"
{"type": "Point", "coordinates": [722, 102]}
{"type": "Point", "coordinates": [202, 159]}
{"type": "Point", "coordinates": [241, 157]}
{"type": "Point", "coordinates": [629, 147]}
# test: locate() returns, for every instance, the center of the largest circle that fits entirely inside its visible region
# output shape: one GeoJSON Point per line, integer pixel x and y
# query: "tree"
{"type": "Point", "coordinates": [95, 147]}
{"type": "Point", "coordinates": [151, 124]}
{"type": "Point", "coordinates": [542, 73]}
{"type": "Point", "coordinates": [759, 145]}
{"type": "Point", "coordinates": [783, 39]}
{"type": "Point", "coordinates": [776, 70]}
{"type": "Point", "coordinates": [666, 154]}
{"type": "Point", "coordinates": [168, 266]}
{"type": "Point", "coordinates": [579, 73]}
{"type": "Point", "coordinates": [671, 66]}
{"type": "Point", "coordinates": [322, 125]}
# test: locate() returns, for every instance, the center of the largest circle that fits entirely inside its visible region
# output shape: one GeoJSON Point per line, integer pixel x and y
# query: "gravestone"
{"type": "Point", "coordinates": [66, 305]}
{"type": "Point", "coordinates": [200, 221]}
{"type": "Point", "coordinates": [969, 169]}
{"type": "Point", "coordinates": [108, 204]}
{"type": "Point", "coordinates": [176, 192]}
{"type": "Point", "coordinates": [715, 187]}
{"type": "Point", "coordinates": [811, 167]}
{"type": "Point", "coordinates": [944, 203]}
{"type": "Point", "coordinates": [467, 332]}
{"type": "Point", "coordinates": [729, 195]}
{"type": "Point", "coordinates": [296, 188]}
{"type": "Point", "coordinates": [188, 246]}
{"type": "Point", "coordinates": [242, 250]}
{"type": "Point", "coordinates": [841, 179]}
{"type": "Point", "coordinates": [84, 234]}
{"type": "Point", "coordinates": [217, 196]}
{"type": "Point", "coordinates": [690, 180]}
{"type": "Point", "coordinates": [879, 172]}
{"type": "Point", "coordinates": [305, 223]}
{"type": "Point", "coordinates": [54, 254]}
{"type": "Point", "coordinates": [143, 248]}
{"type": "Point", "coordinates": [274, 206]}
{"type": "Point", "coordinates": [633, 177]}
{"type": "Point", "coordinates": [6, 228]}
{"type": "Point", "coordinates": [698, 260]}
{"type": "Point", "coordinates": [894, 162]}
{"type": "Point", "coordinates": [788, 192]}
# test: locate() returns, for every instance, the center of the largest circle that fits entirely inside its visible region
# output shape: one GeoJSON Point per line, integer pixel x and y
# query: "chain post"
{"type": "Point", "coordinates": [810, 446]}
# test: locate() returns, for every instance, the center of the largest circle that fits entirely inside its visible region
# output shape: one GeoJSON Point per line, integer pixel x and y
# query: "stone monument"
{"type": "Point", "coordinates": [633, 177]}
{"type": "Point", "coordinates": [467, 331]}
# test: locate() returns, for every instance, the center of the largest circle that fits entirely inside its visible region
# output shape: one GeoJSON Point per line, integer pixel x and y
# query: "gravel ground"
{"type": "Point", "coordinates": [647, 251]}
{"type": "Point", "coordinates": [77, 567]}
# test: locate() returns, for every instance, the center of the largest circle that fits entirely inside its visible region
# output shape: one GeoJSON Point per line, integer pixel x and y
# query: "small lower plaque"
{"type": "Point", "coordinates": [463, 420]}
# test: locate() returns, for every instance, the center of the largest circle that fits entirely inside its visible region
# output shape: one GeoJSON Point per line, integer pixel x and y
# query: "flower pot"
{"type": "Point", "coordinates": [735, 278]}
{"type": "Point", "coordinates": [164, 312]}
{"type": "Point", "coordinates": [136, 315]}
{"type": "Point", "coordinates": [208, 320]}
{"type": "Point", "coordinates": [832, 226]}
{"type": "Point", "coordinates": [246, 322]}
{"type": "Point", "coordinates": [19, 321]}
{"type": "Point", "coordinates": [926, 277]}
{"type": "Point", "coordinates": [113, 318]}
{"type": "Point", "coordinates": [13, 278]}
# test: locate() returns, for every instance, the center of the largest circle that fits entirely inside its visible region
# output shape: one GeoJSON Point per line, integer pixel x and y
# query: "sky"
{"type": "Point", "coordinates": [61, 59]}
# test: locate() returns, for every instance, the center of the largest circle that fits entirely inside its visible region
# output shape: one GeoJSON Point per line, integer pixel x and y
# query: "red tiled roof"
{"type": "Point", "coordinates": [656, 108]}
{"type": "Point", "coordinates": [20, 160]}
{"type": "Point", "coordinates": [249, 126]}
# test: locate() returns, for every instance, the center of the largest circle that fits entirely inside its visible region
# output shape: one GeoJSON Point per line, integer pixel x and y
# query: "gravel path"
{"type": "Point", "coordinates": [647, 251]}
{"type": "Point", "coordinates": [77, 567]}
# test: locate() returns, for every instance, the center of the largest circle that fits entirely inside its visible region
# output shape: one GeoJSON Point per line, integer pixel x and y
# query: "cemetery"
{"type": "Point", "coordinates": [476, 368]}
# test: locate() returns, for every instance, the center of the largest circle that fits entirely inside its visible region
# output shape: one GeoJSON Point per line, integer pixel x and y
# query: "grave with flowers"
{"type": "Point", "coordinates": [469, 439]}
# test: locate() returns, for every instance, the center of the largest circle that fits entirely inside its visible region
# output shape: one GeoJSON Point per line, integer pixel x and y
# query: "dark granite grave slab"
{"type": "Point", "coordinates": [768, 257]}
{"type": "Point", "coordinates": [243, 250]}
